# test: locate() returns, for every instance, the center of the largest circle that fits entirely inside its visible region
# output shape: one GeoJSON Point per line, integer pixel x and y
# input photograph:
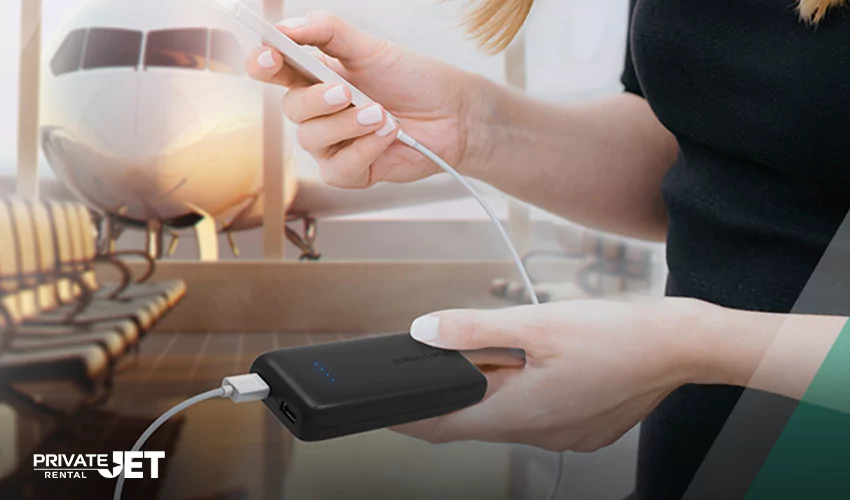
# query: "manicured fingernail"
{"type": "Point", "coordinates": [426, 328]}
{"type": "Point", "coordinates": [293, 22]}
{"type": "Point", "coordinates": [388, 127]}
{"type": "Point", "coordinates": [336, 96]}
{"type": "Point", "coordinates": [266, 60]}
{"type": "Point", "coordinates": [371, 115]}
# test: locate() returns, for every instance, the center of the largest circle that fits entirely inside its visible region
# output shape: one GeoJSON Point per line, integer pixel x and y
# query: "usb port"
{"type": "Point", "coordinates": [287, 412]}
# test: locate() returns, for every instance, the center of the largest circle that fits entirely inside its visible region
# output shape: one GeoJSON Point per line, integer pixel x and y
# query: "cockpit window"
{"type": "Point", "coordinates": [112, 48]}
{"type": "Point", "coordinates": [190, 48]}
{"type": "Point", "coordinates": [226, 56]}
{"type": "Point", "coordinates": [177, 48]}
{"type": "Point", "coordinates": [70, 53]}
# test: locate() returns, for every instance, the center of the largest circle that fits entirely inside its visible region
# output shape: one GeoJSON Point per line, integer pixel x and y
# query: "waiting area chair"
{"type": "Point", "coordinates": [58, 322]}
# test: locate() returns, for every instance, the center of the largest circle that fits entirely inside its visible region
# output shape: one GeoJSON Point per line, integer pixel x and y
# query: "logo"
{"type": "Point", "coordinates": [421, 357]}
{"type": "Point", "coordinates": [78, 466]}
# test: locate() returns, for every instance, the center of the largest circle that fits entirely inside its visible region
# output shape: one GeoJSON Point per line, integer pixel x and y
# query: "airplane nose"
{"type": "Point", "coordinates": [139, 122]}
{"type": "Point", "coordinates": [167, 121]}
{"type": "Point", "coordinates": [140, 142]}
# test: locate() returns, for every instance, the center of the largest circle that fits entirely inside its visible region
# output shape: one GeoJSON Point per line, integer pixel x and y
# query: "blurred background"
{"type": "Point", "coordinates": [145, 116]}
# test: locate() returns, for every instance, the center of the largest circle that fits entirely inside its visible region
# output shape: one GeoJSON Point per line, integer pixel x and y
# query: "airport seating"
{"type": "Point", "coordinates": [76, 295]}
{"type": "Point", "coordinates": [57, 321]}
{"type": "Point", "coordinates": [65, 260]}
{"type": "Point", "coordinates": [171, 292]}
{"type": "Point", "coordinates": [86, 364]}
{"type": "Point", "coordinates": [39, 288]}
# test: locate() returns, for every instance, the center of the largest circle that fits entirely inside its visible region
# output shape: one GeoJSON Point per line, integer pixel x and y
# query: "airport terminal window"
{"type": "Point", "coordinates": [112, 48]}
{"type": "Point", "coordinates": [179, 48]}
{"type": "Point", "coordinates": [70, 53]}
{"type": "Point", "coordinates": [226, 56]}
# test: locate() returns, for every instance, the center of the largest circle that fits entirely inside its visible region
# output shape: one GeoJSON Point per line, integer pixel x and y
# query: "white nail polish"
{"type": "Point", "coordinates": [293, 22]}
{"type": "Point", "coordinates": [336, 96]}
{"type": "Point", "coordinates": [388, 127]}
{"type": "Point", "coordinates": [371, 115]}
{"type": "Point", "coordinates": [266, 60]}
{"type": "Point", "coordinates": [426, 329]}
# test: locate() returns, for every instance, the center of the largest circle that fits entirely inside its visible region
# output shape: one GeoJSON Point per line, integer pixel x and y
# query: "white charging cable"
{"type": "Point", "coordinates": [529, 286]}
{"type": "Point", "coordinates": [413, 143]}
{"type": "Point", "coordinates": [244, 388]}
{"type": "Point", "coordinates": [239, 389]}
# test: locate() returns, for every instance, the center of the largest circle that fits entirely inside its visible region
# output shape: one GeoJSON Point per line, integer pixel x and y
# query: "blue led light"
{"type": "Point", "coordinates": [327, 373]}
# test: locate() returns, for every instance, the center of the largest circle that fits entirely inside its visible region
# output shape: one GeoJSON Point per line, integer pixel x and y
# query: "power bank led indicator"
{"type": "Point", "coordinates": [323, 372]}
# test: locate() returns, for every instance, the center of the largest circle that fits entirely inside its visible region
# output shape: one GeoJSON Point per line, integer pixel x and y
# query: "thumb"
{"type": "Point", "coordinates": [468, 330]}
{"type": "Point", "coordinates": [333, 36]}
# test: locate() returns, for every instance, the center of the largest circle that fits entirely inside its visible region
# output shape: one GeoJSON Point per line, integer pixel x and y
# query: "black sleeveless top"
{"type": "Point", "coordinates": [760, 105]}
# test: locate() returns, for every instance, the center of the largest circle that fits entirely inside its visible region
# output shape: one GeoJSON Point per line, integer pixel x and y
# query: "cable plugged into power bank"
{"type": "Point", "coordinates": [245, 388]}
{"type": "Point", "coordinates": [239, 389]}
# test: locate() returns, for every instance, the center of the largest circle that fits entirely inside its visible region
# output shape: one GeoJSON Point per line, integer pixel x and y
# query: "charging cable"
{"type": "Point", "coordinates": [413, 143]}
{"type": "Point", "coordinates": [239, 389]}
{"type": "Point", "coordinates": [520, 265]}
{"type": "Point", "coordinates": [244, 388]}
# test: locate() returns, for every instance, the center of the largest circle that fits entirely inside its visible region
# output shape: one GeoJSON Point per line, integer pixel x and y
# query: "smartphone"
{"type": "Point", "coordinates": [296, 56]}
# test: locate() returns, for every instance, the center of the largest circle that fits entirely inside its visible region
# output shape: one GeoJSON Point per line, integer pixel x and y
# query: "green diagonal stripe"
{"type": "Point", "coordinates": [811, 459]}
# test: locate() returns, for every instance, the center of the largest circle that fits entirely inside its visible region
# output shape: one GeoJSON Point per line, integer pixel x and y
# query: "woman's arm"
{"type": "Point", "coordinates": [778, 353]}
{"type": "Point", "coordinates": [596, 368]}
{"type": "Point", "coordinates": [598, 163]}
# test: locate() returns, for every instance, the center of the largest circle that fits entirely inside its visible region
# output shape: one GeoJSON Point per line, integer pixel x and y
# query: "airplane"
{"type": "Point", "coordinates": [147, 116]}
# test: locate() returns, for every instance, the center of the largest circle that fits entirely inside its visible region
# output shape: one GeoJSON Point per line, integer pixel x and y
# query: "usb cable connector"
{"type": "Point", "coordinates": [238, 388]}
{"type": "Point", "coordinates": [245, 388]}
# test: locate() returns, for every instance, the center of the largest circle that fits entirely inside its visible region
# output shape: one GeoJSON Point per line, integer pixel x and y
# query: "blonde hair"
{"type": "Point", "coordinates": [495, 23]}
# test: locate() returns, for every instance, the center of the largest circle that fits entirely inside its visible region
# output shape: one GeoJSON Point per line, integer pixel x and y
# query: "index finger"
{"type": "Point", "coordinates": [267, 65]}
{"type": "Point", "coordinates": [334, 37]}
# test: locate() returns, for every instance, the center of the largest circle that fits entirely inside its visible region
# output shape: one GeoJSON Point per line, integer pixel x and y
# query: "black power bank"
{"type": "Point", "coordinates": [330, 390]}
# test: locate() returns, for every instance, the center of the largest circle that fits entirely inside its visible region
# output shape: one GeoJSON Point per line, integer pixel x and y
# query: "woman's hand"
{"type": "Point", "coordinates": [594, 369]}
{"type": "Point", "coordinates": [355, 147]}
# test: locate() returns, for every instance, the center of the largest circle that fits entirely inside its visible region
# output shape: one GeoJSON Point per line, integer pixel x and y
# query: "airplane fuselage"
{"type": "Point", "coordinates": [147, 112]}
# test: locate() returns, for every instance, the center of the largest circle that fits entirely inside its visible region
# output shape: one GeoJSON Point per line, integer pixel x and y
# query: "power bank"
{"type": "Point", "coordinates": [331, 390]}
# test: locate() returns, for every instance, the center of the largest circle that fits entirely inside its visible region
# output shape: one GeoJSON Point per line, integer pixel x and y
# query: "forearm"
{"type": "Point", "coordinates": [598, 163]}
{"type": "Point", "coordinates": [778, 353]}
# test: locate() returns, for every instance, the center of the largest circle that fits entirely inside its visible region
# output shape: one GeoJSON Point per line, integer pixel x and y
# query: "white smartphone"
{"type": "Point", "coordinates": [296, 56]}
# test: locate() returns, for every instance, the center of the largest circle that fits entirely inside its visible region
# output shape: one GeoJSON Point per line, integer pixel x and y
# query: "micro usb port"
{"type": "Point", "coordinates": [287, 412]}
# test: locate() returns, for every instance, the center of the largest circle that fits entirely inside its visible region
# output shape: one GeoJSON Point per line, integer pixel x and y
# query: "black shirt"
{"type": "Point", "coordinates": [760, 105]}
